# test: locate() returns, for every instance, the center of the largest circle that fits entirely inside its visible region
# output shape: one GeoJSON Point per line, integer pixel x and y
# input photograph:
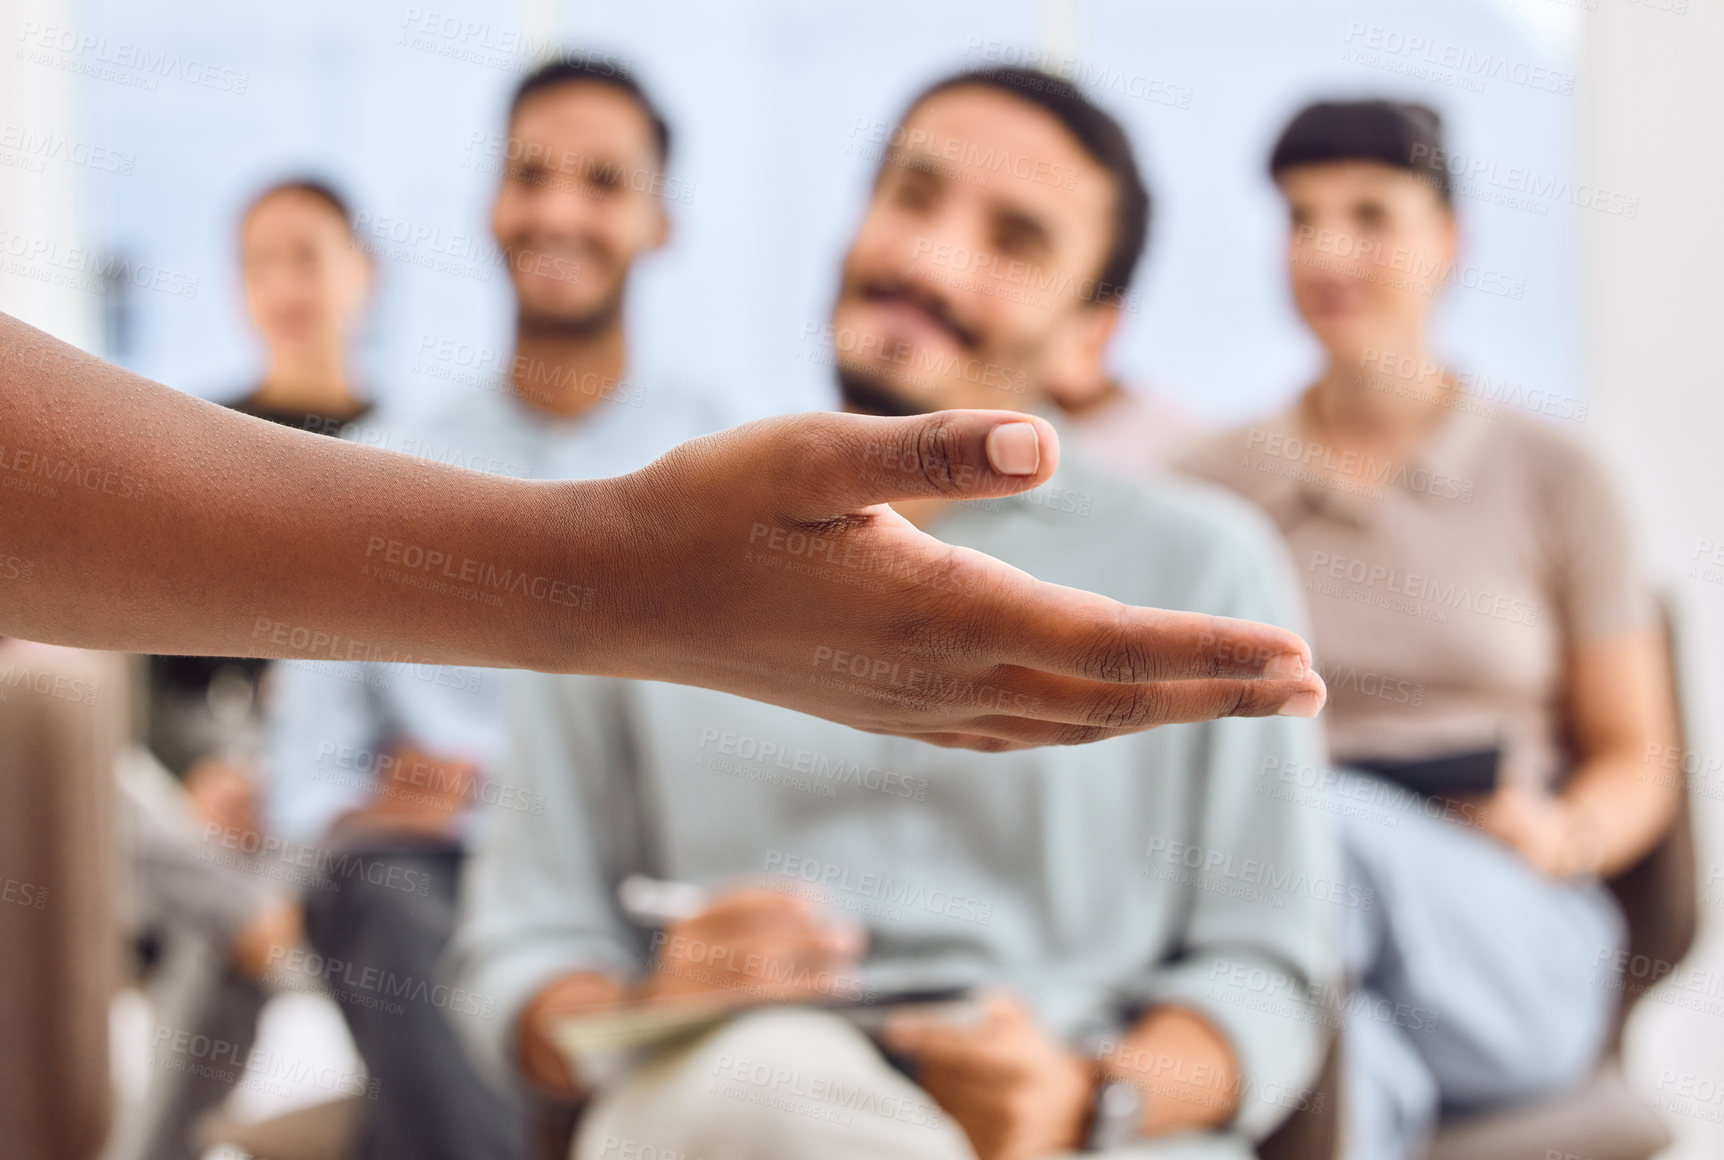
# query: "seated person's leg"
{"type": "Point", "coordinates": [206, 1024]}
{"type": "Point", "coordinates": [782, 1084]}
{"type": "Point", "coordinates": [387, 922]}
{"type": "Point", "coordinates": [1495, 966]}
{"type": "Point", "coordinates": [216, 922]}
{"type": "Point", "coordinates": [1390, 1100]}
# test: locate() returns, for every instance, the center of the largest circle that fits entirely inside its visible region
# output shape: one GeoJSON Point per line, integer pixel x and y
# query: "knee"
{"type": "Point", "coordinates": [777, 1044]}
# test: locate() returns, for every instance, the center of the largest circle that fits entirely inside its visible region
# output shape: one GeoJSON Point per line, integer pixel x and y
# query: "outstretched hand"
{"type": "Point", "coordinates": [764, 561]}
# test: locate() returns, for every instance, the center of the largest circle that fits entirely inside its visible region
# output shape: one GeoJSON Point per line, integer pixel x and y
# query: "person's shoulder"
{"type": "Point", "coordinates": [1232, 458]}
{"type": "Point", "coordinates": [1537, 441]}
{"type": "Point", "coordinates": [1176, 522]}
{"type": "Point", "coordinates": [675, 405]}
{"type": "Point", "coordinates": [1561, 472]}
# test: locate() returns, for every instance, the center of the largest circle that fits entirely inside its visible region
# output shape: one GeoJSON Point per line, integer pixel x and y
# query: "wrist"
{"type": "Point", "coordinates": [1581, 850]}
{"type": "Point", "coordinates": [538, 1058]}
{"type": "Point", "coordinates": [570, 620]}
{"type": "Point", "coordinates": [1113, 1110]}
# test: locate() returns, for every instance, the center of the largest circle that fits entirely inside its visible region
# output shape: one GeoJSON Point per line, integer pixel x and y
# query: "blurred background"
{"type": "Point", "coordinates": [132, 136]}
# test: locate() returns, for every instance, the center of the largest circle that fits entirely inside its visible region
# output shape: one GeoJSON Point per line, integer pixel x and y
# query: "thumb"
{"type": "Point", "coordinates": [837, 463]}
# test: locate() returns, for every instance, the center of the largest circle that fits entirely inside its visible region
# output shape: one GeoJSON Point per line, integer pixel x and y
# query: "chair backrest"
{"type": "Point", "coordinates": [1659, 895]}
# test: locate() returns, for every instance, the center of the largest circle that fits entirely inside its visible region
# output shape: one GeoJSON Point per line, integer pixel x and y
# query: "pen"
{"type": "Point", "coordinates": [656, 903]}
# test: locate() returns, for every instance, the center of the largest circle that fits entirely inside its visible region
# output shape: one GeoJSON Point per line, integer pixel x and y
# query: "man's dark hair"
{"type": "Point", "coordinates": [1102, 139]}
{"type": "Point", "coordinates": [1404, 134]}
{"type": "Point", "coordinates": [597, 69]}
{"type": "Point", "coordinates": [314, 187]}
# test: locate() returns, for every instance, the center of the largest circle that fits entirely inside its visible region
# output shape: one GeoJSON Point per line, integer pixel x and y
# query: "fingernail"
{"type": "Point", "coordinates": [1015, 449]}
{"type": "Point", "coordinates": [1285, 667]}
{"type": "Point", "coordinates": [1304, 704]}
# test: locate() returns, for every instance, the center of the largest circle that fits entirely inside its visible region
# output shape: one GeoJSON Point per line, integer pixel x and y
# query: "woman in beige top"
{"type": "Point", "coordinates": [1472, 596]}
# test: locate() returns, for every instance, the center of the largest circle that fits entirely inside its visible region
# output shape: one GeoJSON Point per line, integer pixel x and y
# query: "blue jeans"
{"type": "Point", "coordinates": [1481, 982]}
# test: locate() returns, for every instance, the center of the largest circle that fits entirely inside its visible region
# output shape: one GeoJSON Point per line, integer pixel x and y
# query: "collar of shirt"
{"type": "Point", "coordinates": [1307, 491]}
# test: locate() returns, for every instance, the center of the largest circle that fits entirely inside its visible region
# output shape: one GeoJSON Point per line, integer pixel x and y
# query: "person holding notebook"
{"type": "Point", "coordinates": [1157, 931]}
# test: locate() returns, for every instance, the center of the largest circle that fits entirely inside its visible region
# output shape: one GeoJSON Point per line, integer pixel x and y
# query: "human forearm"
{"type": "Point", "coordinates": [166, 524]}
{"type": "Point", "coordinates": [1183, 1066]}
{"type": "Point", "coordinates": [212, 532]}
{"type": "Point", "coordinates": [1615, 809]}
{"type": "Point", "coordinates": [1618, 802]}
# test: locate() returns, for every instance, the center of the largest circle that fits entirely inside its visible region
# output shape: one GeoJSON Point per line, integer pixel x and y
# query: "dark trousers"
{"type": "Point", "coordinates": [387, 922]}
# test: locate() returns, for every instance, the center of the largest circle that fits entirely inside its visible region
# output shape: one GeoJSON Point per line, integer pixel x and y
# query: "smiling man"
{"type": "Point", "coordinates": [1157, 914]}
{"type": "Point", "coordinates": [382, 764]}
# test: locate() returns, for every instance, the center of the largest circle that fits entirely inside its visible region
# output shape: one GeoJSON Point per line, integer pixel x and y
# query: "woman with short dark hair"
{"type": "Point", "coordinates": [1494, 667]}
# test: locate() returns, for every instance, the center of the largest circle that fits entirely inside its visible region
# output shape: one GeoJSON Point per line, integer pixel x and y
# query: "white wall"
{"type": "Point", "coordinates": [41, 187]}
{"type": "Point", "coordinates": [1654, 312]}
{"type": "Point", "coordinates": [765, 96]}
